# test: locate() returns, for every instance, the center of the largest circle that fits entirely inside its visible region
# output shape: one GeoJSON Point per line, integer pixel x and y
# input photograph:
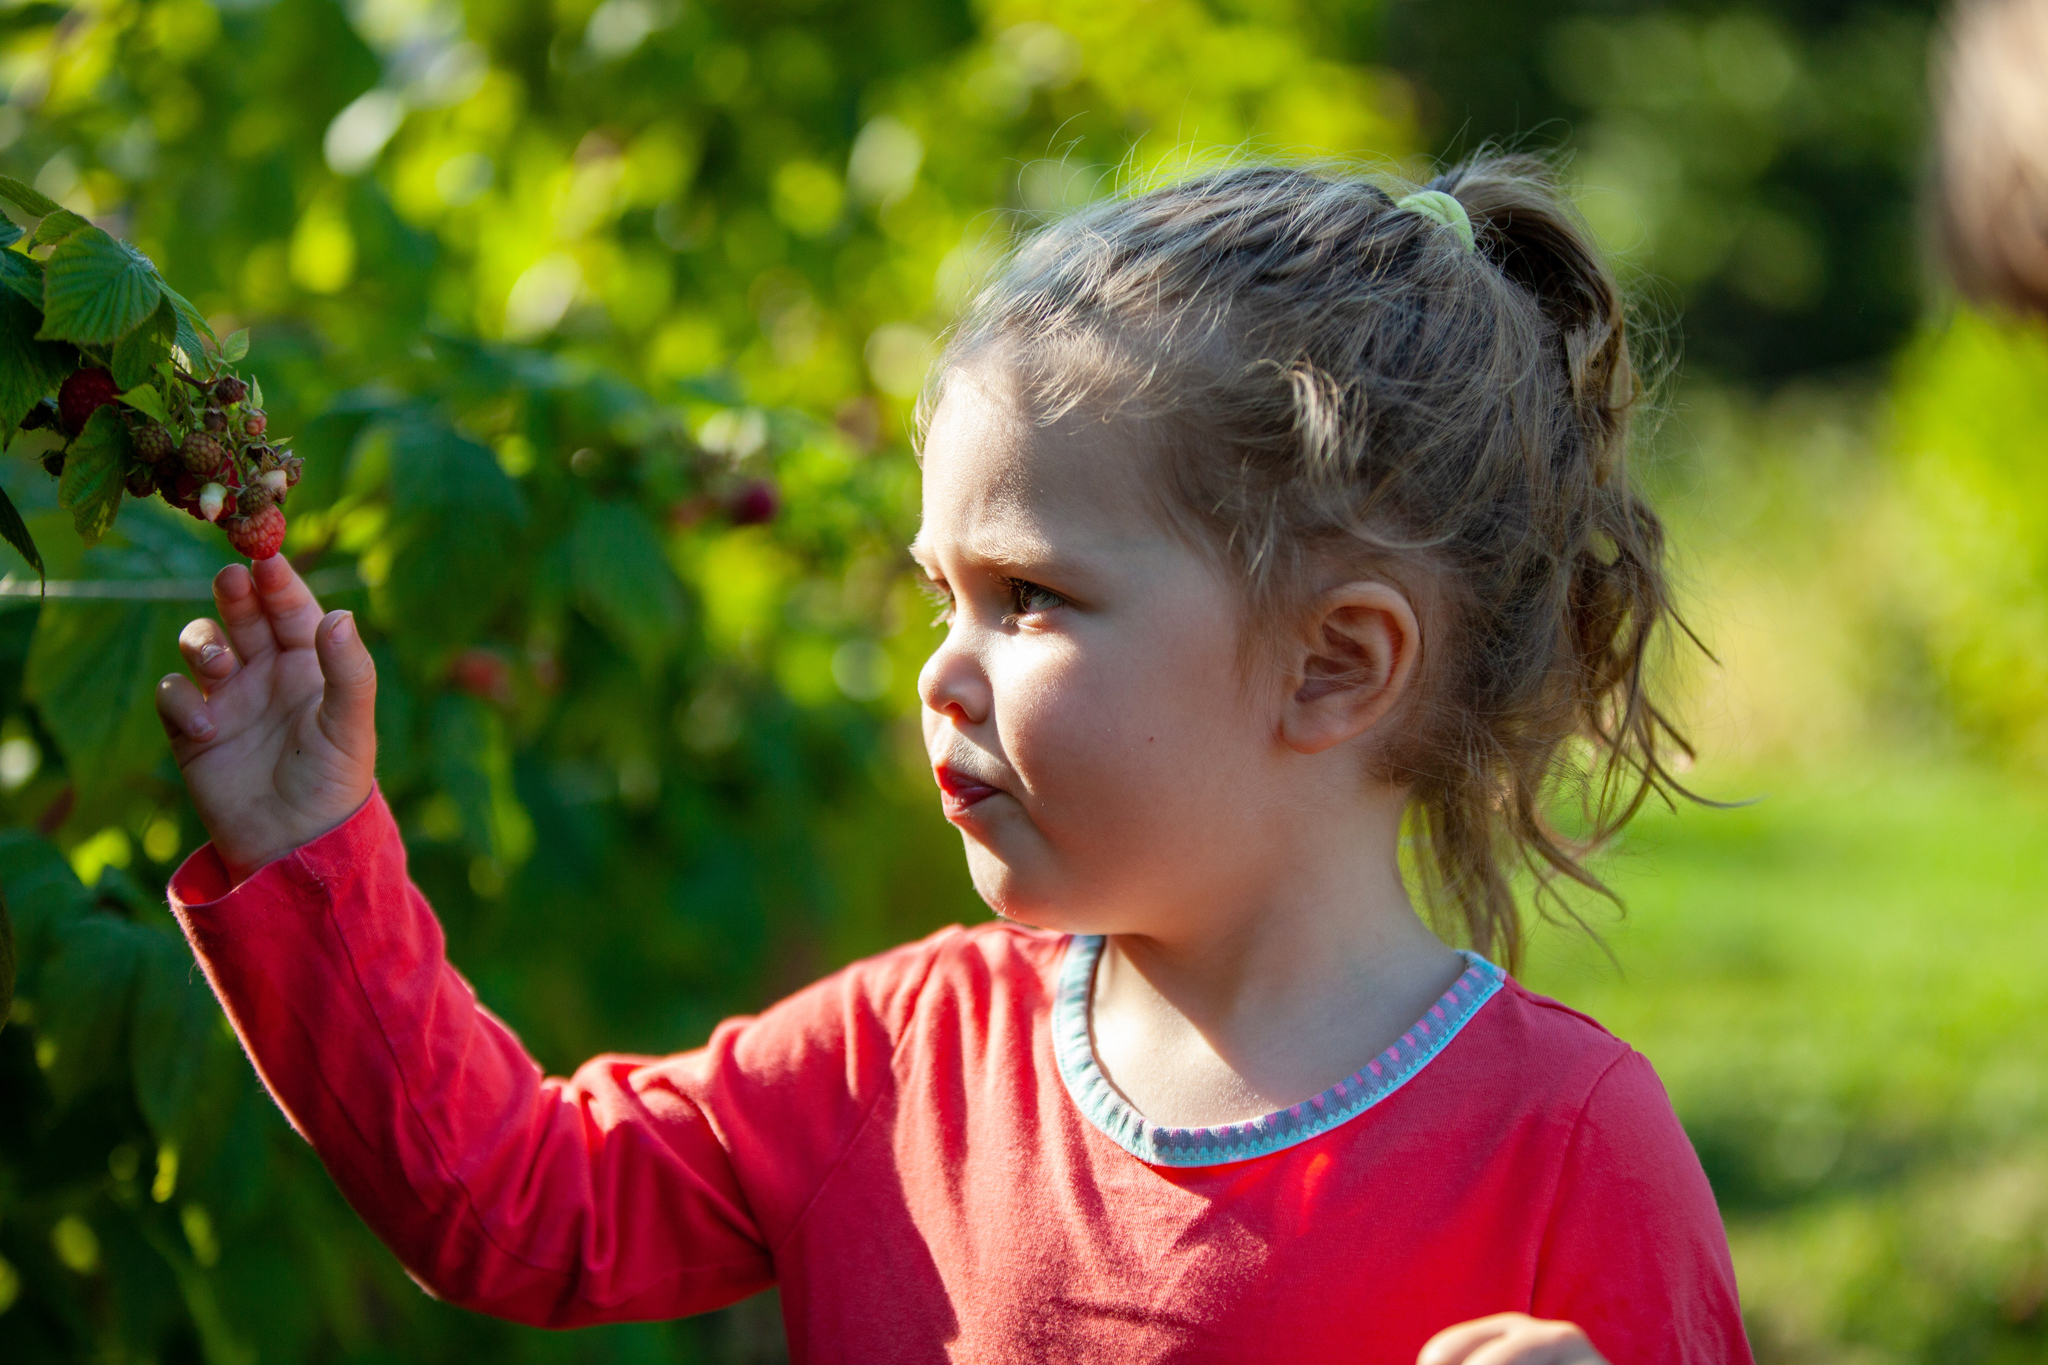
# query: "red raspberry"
{"type": "Point", "coordinates": [483, 674]}
{"type": "Point", "coordinates": [753, 503]}
{"type": "Point", "coordinates": [141, 481]}
{"type": "Point", "coordinates": [84, 393]}
{"type": "Point", "coordinates": [257, 536]}
{"type": "Point", "coordinates": [229, 389]}
{"type": "Point", "coordinates": [215, 420]}
{"type": "Point", "coordinates": [202, 454]}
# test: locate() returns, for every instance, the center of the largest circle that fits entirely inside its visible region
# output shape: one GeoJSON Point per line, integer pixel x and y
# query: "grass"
{"type": "Point", "coordinates": [1841, 987]}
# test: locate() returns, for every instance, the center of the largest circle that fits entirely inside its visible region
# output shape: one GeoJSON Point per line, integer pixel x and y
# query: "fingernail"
{"type": "Point", "coordinates": [198, 726]}
{"type": "Point", "coordinates": [345, 628]}
{"type": "Point", "coordinates": [208, 653]}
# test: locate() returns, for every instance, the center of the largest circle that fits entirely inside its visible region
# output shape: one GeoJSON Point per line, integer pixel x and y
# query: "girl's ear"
{"type": "Point", "coordinates": [1353, 666]}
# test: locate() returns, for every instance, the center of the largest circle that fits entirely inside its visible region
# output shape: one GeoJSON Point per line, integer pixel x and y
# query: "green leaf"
{"type": "Point", "coordinates": [142, 350]}
{"type": "Point", "coordinates": [15, 531]}
{"type": "Point", "coordinates": [83, 997]}
{"type": "Point", "coordinates": [146, 400]}
{"type": "Point", "coordinates": [29, 369]}
{"type": "Point", "coordinates": [623, 581]}
{"type": "Point", "coordinates": [235, 347]}
{"type": "Point", "coordinates": [96, 289]}
{"type": "Point", "coordinates": [93, 470]}
{"type": "Point", "coordinates": [459, 535]}
{"type": "Point", "coordinates": [6, 962]}
{"type": "Point", "coordinates": [175, 1023]}
{"type": "Point", "coordinates": [472, 764]}
{"type": "Point", "coordinates": [30, 201]}
{"type": "Point", "coordinates": [192, 325]}
{"type": "Point", "coordinates": [58, 226]}
{"type": "Point", "coordinates": [10, 232]}
{"type": "Point", "coordinates": [93, 665]}
{"type": "Point", "coordinates": [24, 276]}
{"type": "Point", "coordinates": [41, 891]}
{"type": "Point", "coordinates": [255, 392]}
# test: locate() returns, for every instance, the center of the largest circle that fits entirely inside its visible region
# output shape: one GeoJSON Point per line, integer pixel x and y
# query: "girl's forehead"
{"type": "Point", "coordinates": [997, 476]}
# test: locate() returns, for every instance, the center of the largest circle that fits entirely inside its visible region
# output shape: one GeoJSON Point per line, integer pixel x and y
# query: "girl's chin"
{"type": "Point", "coordinates": [1015, 894]}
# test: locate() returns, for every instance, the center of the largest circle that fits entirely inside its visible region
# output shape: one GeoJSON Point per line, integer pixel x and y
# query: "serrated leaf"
{"type": "Point", "coordinates": [58, 226]}
{"type": "Point", "coordinates": [146, 400]}
{"type": "Point", "coordinates": [29, 369]}
{"type": "Point", "coordinates": [96, 290]}
{"type": "Point", "coordinates": [29, 200]}
{"type": "Point", "coordinates": [93, 470]}
{"type": "Point", "coordinates": [623, 581]}
{"type": "Point", "coordinates": [236, 346]}
{"type": "Point", "coordinates": [15, 530]}
{"type": "Point", "coordinates": [192, 324]}
{"type": "Point", "coordinates": [23, 275]}
{"type": "Point", "coordinates": [138, 354]}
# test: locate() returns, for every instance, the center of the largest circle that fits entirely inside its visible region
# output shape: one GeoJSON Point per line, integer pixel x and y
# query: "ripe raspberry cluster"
{"type": "Point", "coordinates": [206, 449]}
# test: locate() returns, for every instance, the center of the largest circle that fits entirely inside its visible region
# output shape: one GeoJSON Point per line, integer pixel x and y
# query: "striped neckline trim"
{"type": "Point", "coordinates": [1099, 1101]}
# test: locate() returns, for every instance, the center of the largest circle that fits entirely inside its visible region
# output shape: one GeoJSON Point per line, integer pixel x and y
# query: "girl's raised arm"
{"type": "Point", "coordinates": [638, 1188]}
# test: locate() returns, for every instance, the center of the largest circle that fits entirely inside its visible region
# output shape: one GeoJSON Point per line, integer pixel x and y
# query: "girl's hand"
{"type": "Point", "coordinates": [1510, 1339]}
{"type": "Point", "coordinates": [278, 739]}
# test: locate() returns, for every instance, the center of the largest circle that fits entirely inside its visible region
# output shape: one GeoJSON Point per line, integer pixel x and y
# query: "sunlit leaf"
{"type": "Point", "coordinates": [58, 226]}
{"type": "Point", "coordinates": [192, 325]}
{"type": "Point", "coordinates": [93, 470]}
{"type": "Point", "coordinates": [235, 347]}
{"type": "Point", "coordinates": [29, 200]}
{"type": "Point", "coordinates": [97, 289]}
{"type": "Point", "coordinates": [145, 399]}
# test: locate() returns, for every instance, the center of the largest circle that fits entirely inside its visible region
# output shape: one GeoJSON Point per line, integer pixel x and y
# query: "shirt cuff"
{"type": "Point", "coordinates": [202, 880]}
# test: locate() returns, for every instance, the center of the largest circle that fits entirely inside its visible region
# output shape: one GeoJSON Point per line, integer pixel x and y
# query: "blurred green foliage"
{"type": "Point", "coordinates": [564, 300]}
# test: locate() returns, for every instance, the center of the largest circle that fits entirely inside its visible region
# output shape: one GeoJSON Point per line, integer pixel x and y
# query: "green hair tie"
{"type": "Point", "coordinates": [1445, 209]}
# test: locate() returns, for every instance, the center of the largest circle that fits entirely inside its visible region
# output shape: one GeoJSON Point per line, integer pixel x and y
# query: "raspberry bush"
{"type": "Point", "coordinates": [145, 401]}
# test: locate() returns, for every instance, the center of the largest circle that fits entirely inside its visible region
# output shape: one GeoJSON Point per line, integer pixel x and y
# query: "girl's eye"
{"type": "Point", "coordinates": [1027, 598]}
{"type": "Point", "coordinates": [941, 598]}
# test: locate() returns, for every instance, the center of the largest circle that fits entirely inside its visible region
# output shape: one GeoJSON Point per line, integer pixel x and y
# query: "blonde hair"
{"type": "Point", "coordinates": [1328, 378]}
{"type": "Point", "coordinates": [1991, 201]}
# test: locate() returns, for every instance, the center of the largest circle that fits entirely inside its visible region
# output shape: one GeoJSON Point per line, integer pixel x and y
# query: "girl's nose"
{"type": "Point", "coordinates": [953, 685]}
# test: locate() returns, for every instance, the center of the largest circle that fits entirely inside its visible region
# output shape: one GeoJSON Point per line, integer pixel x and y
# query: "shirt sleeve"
{"type": "Point", "coordinates": [638, 1188]}
{"type": "Point", "coordinates": [1635, 1252]}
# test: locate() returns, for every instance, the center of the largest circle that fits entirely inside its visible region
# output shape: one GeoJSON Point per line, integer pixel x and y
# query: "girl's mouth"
{"type": "Point", "coordinates": [958, 792]}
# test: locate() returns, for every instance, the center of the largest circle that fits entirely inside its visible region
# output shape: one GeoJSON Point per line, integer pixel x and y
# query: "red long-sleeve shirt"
{"type": "Point", "coordinates": [920, 1151]}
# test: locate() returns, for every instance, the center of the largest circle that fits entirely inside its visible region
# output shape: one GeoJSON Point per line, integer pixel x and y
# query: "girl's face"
{"type": "Point", "coordinates": [1084, 715]}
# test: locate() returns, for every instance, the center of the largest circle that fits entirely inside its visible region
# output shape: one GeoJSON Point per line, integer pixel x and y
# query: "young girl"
{"type": "Point", "coordinates": [1270, 515]}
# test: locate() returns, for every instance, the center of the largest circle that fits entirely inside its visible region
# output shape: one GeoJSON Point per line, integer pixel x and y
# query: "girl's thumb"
{"type": "Point", "coordinates": [348, 703]}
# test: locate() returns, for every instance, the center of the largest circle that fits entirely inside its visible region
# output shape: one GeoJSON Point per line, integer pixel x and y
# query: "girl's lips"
{"type": "Point", "coordinates": [958, 792]}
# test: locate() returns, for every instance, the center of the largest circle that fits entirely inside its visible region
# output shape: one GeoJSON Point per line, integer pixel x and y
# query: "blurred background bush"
{"type": "Point", "coordinates": [601, 323]}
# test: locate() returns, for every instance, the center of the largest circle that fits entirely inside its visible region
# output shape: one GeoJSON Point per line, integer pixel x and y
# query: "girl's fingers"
{"type": "Point", "coordinates": [294, 615]}
{"type": "Point", "coordinates": [241, 611]}
{"type": "Point", "coordinates": [1542, 1343]}
{"type": "Point", "coordinates": [1455, 1345]}
{"type": "Point", "coordinates": [207, 653]}
{"type": "Point", "coordinates": [1510, 1339]}
{"type": "Point", "coordinates": [182, 710]}
{"type": "Point", "coordinates": [348, 703]}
